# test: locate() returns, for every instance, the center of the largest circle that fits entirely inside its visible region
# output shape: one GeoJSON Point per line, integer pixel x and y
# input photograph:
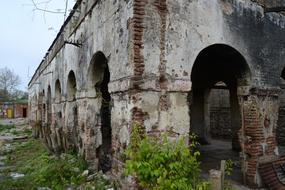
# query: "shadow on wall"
{"type": "Point", "coordinates": [217, 63]}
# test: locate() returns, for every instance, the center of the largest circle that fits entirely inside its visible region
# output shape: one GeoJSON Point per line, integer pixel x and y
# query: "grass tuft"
{"type": "Point", "coordinates": [40, 169]}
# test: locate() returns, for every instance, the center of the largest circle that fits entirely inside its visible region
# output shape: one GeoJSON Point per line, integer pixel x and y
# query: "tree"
{"type": "Point", "coordinates": [19, 94]}
{"type": "Point", "coordinates": [9, 81]}
{"type": "Point", "coordinates": [43, 6]}
{"type": "Point", "coordinates": [52, 7]}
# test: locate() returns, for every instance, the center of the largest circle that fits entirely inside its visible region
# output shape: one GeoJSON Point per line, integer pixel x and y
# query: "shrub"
{"type": "Point", "coordinates": [228, 172]}
{"type": "Point", "coordinates": [56, 172]}
{"type": "Point", "coordinates": [161, 164]}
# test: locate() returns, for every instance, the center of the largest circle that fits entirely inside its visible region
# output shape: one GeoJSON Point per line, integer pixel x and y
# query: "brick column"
{"type": "Point", "coordinates": [258, 137]}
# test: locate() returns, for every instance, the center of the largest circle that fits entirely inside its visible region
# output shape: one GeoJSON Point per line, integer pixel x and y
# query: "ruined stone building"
{"type": "Point", "coordinates": [210, 67]}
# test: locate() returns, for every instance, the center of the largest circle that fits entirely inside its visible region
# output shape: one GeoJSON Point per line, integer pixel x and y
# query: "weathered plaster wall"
{"type": "Point", "coordinates": [240, 24]}
{"type": "Point", "coordinates": [95, 26]}
{"type": "Point", "coordinates": [187, 29]}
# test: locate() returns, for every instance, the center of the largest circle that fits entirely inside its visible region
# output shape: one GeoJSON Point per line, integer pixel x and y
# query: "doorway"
{"type": "Point", "coordinates": [218, 71]}
{"type": "Point", "coordinates": [24, 112]}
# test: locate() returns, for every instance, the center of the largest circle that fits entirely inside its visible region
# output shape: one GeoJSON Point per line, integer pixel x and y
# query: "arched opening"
{"type": "Point", "coordinates": [215, 114]}
{"type": "Point", "coordinates": [34, 111]}
{"type": "Point", "coordinates": [98, 79]}
{"type": "Point", "coordinates": [57, 91]}
{"type": "Point", "coordinates": [75, 128]}
{"type": "Point", "coordinates": [280, 131]}
{"type": "Point", "coordinates": [42, 107]}
{"type": "Point", "coordinates": [71, 86]}
{"type": "Point", "coordinates": [34, 106]}
{"type": "Point", "coordinates": [49, 111]}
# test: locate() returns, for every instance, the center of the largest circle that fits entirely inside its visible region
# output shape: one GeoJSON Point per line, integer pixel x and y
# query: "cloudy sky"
{"type": "Point", "coordinates": [26, 34]}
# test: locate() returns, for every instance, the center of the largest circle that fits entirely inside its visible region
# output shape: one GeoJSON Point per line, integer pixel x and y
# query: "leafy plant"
{"type": "Point", "coordinates": [228, 167]}
{"type": "Point", "coordinates": [56, 172]}
{"type": "Point", "coordinates": [161, 163]}
{"type": "Point", "coordinates": [228, 172]}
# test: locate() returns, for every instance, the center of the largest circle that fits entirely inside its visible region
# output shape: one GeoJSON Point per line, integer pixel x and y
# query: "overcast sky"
{"type": "Point", "coordinates": [26, 34]}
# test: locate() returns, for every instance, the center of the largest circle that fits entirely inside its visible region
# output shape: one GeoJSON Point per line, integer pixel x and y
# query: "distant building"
{"type": "Point", "coordinates": [14, 109]}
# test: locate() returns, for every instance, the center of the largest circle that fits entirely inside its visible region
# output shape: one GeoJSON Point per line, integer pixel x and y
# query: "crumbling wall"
{"type": "Point", "coordinates": [76, 123]}
{"type": "Point", "coordinates": [160, 100]}
{"type": "Point", "coordinates": [260, 113]}
{"type": "Point", "coordinates": [151, 47]}
{"type": "Point", "coordinates": [242, 25]}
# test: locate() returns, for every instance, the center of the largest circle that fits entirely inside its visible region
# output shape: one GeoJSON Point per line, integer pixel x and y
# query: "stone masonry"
{"type": "Point", "coordinates": [116, 62]}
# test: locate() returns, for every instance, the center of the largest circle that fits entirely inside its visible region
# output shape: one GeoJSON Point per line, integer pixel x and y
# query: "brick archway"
{"type": "Point", "coordinates": [215, 65]}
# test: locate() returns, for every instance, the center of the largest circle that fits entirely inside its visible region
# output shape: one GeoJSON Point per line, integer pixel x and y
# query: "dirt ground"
{"type": "Point", "coordinates": [18, 122]}
{"type": "Point", "coordinates": [16, 133]}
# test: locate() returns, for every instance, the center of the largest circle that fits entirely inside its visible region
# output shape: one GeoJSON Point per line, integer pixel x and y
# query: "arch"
{"type": "Point", "coordinates": [48, 94]}
{"type": "Point", "coordinates": [34, 105]}
{"type": "Point", "coordinates": [48, 103]}
{"type": "Point", "coordinates": [98, 79]}
{"type": "Point", "coordinates": [57, 91]}
{"type": "Point", "coordinates": [43, 93]}
{"type": "Point", "coordinates": [218, 62]}
{"type": "Point", "coordinates": [42, 106]}
{"type": "Point", "coordinates": [219, 69]}
{"type": "Point", "coordinates": [99, 75]}
{"type": "Point", "coordinates": [283, 74]}
{"type": "Point", "coordinates": [71, 86]}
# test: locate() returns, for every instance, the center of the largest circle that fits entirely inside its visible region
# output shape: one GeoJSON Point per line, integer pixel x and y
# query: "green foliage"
{"type": "Point", "coordinates": [6, 127]}
{"type": "Point", "coordinates": [99, 183]}
{"type": "Point", "coordinates": [228, 172]}
{"type": "Point", "coordinates": [228, 167]}
{"type": "Point", "coordinates": [56, 172]}
{"type": "Point", "coordinates": [136, 137]}
{"type": "Point", "coordinates": [26, 131]}
{"type": "Point", "coordinates": [42, 170]}
{"type": "Point", "coordinates": [160, 164]}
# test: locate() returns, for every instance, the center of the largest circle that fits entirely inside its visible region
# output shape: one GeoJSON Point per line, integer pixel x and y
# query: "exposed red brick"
{"type": "Point", "coordinates": [137, 30]}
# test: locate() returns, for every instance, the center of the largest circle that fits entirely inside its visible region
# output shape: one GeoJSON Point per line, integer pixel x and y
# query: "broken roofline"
{"type": "Point", "coordinates": [78, 2]}
{"type": "Point", "coordinates": [71, 14]}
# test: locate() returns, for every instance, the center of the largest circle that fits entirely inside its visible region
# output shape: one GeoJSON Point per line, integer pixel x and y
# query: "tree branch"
{"type": "Point", "coordinates": [46, 10]}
